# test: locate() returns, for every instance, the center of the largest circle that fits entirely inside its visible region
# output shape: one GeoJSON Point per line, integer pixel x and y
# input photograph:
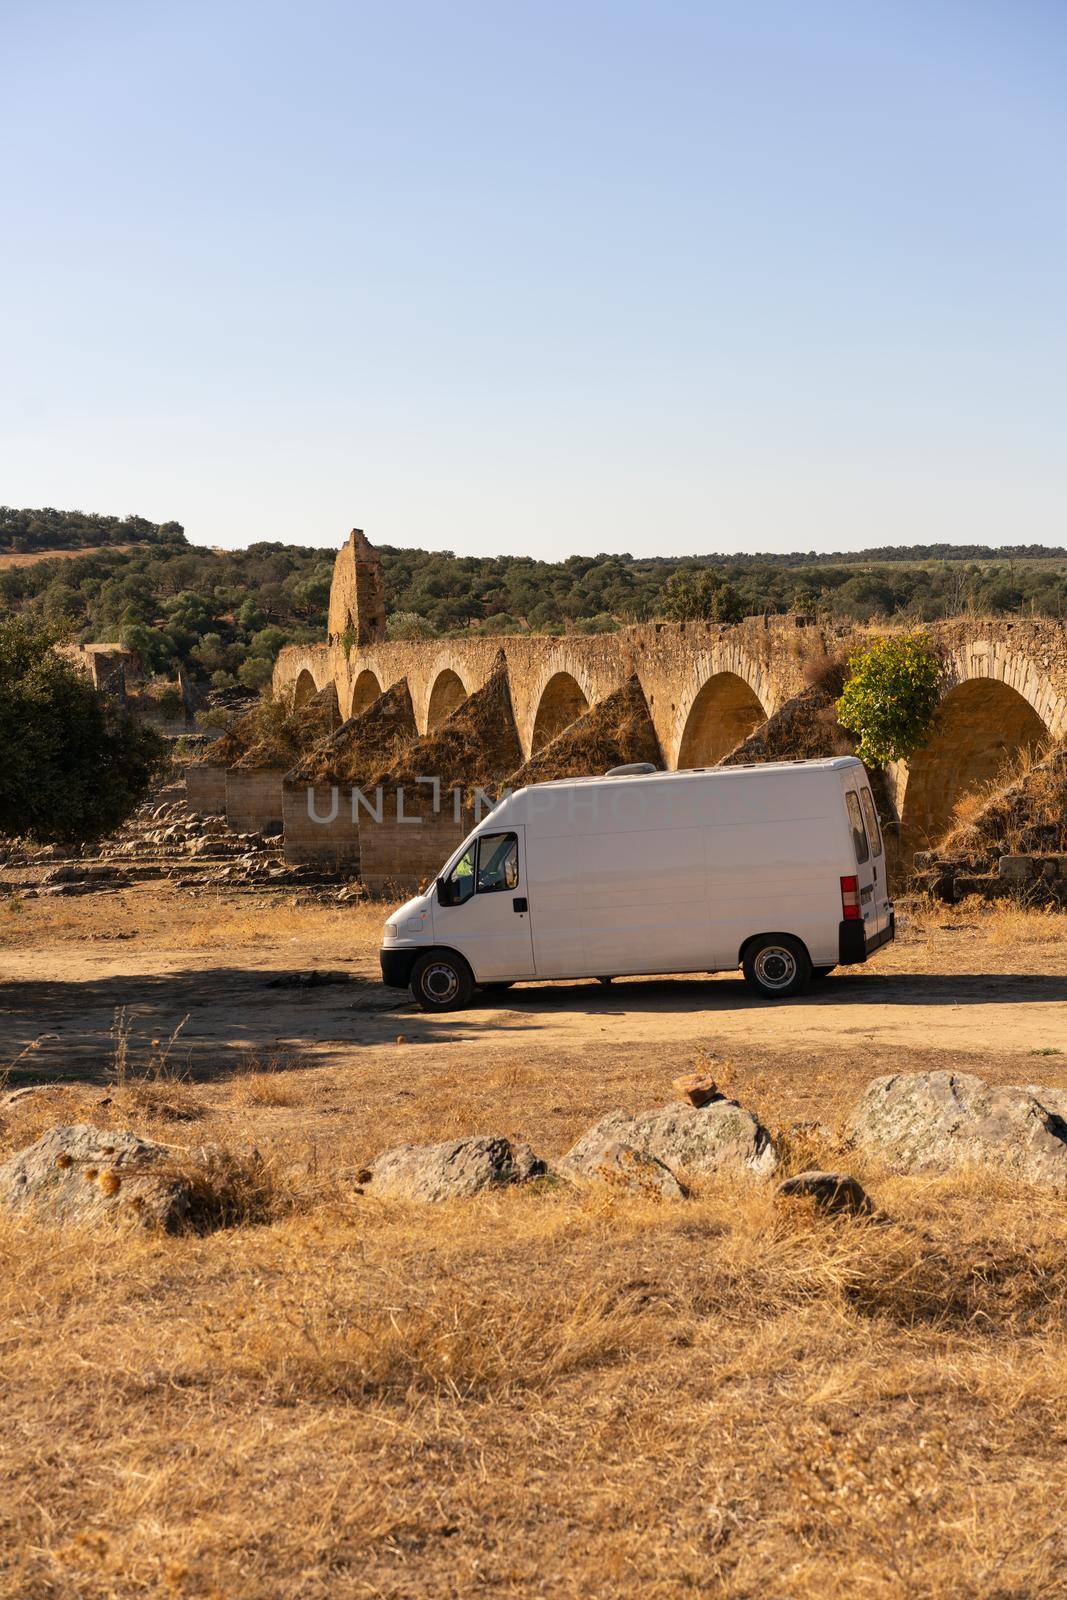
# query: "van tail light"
{"type": "Point", "coordinates": [850, 899]}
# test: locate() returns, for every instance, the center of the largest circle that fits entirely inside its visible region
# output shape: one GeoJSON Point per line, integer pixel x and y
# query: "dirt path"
{"type": "Point", "coordinates": [966, 990]}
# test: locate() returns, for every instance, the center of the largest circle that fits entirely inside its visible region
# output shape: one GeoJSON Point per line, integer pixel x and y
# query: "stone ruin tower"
{"type": "Point", "coordinates": [357, 594]}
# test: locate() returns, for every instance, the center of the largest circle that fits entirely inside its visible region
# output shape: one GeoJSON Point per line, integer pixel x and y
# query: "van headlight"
{"type": "Point", "coordinates": [390, 931]}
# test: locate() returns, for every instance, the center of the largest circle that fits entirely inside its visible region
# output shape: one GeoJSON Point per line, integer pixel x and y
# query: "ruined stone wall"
{"type": "Point", "coordinates": [205, 789]}
{"type": "Point", "coordinates": [357, 594]}
{"type": "Point", "coordinates": [319, 829]}
{"type": "Point", "coordinates": [412, 842]}
{"type": "Point", "coordinates": [254, 799]}
{"type": "Point", "coordinates": [109, 667]}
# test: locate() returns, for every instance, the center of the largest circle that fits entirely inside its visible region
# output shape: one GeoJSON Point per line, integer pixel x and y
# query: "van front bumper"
{"type": "Point", "coordinates": [397, 965]}
{"type": "Point", "coordinates": [853, 945]}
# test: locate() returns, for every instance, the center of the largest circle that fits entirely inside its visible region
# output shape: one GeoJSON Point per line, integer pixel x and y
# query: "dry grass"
{"type": "Point", "coordinates": [544, 1392]}
{"type": "Point", "coordinates": [213, 922]}
{"type": "Point", "coordinates": [614, 732]}
{"type": "Point", "coordinates": [541, 1392]}
{"type": "Point", "coordinates": [363, 744]}
{"type": "Point", "coordinates": [30, 558]}
{"type": "Point", "coordinates": [993, 819]}
{"type": "Point", "coordinates": [356, 924]}
{"type": "Point", "coordinates": [1020, 766]}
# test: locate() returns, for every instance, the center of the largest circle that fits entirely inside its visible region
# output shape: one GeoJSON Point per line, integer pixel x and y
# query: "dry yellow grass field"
{"type": "Point", "coordinates": [539, 1392]}
{"type": "Point", "coordinates": [30, 558]}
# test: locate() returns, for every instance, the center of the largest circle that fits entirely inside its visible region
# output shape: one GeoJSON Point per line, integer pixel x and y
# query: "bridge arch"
{"type": "Point", "coordinates": [304, 689]}
{"type": "Point", "coordinates": [724, 710]}
{"type": "Point", "coordinates": [981, 724]}
{"type": "Point", "coordinates": [365, 690]}
{"type": "Point", "coordinates": [562, 701]}
{"type": "Point", "coordinates": [447, 694]}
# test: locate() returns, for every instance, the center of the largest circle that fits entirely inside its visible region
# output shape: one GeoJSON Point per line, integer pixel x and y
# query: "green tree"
{"type": "Point", "coordinates": [256, 672]}
{"type": "Point", "coordinates": [891, 696]}
{"type": "Point", "coordinates": [692, 595]}
{"type": "Point", "coordinates": [250, 616]}
{"type": "Point", "coordinates": [73, 764]}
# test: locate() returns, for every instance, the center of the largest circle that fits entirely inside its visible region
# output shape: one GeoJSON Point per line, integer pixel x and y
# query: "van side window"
{"type": "Point", "coordinates": [461, 878]}
{"type": "Point", "coordinates": [498, 862]}
{"type": "Point", "coordinates": [870, 816]}
{"type": "Point", "coordinates": [859, 837]}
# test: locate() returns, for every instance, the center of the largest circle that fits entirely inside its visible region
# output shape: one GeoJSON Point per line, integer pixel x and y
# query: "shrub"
{"type": "Point", "coordinates": [170, 704]}
{"type": "Point", "coordinates": [408, 625]}
{"type": "Point", "coordinates": [73, 763]}
{"type": "Point", "coordinates": [891, 696]}
{"type": "Point", "coordinates": [256, 672]}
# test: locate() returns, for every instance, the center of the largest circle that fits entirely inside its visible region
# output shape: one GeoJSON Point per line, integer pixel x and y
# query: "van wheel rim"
{"type": "Point", "coordinates": [776, 967]}
{"type": "Point", "coordinates": [440, 982]}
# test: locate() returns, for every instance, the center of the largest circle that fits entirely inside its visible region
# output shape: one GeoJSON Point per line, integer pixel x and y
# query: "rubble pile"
{"type": "Point", "coordinates": [162, 840]}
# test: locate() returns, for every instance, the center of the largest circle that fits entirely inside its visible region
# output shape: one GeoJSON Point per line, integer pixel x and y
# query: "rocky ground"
{"type": "Point", "coordinates": [163, 841]}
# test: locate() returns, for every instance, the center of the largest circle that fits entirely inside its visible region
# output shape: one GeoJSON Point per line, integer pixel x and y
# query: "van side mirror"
{"type": "Point", "coordinates": [444, 892]}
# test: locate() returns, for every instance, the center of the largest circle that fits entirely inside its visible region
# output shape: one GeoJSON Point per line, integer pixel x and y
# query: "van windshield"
{"type": "Point", "coordinates": [859, 836]}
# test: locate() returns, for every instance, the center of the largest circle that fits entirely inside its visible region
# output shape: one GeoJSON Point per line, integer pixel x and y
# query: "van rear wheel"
{"type": "Point", "coordinates": [442, 981]}
{"type": "Point", "coordinates": [776, 966]}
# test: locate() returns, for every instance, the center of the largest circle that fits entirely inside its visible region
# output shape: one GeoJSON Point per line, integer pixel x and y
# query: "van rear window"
{"type": "Point", "coordinates": [870, 816]}
{"type": "Point", "coordinates": [859, 836]}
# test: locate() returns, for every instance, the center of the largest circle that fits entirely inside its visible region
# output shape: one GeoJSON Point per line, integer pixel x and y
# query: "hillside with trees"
{"type": "Point", "coordinates": [225, 614]}
{"type": "Point", "coordinates": [27, 532]}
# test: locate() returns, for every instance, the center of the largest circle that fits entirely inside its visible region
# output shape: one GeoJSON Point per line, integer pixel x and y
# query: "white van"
{"type": "Point", "coordinates": [776, 868]}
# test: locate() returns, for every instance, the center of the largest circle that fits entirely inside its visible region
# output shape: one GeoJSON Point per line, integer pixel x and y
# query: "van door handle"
{"type": "Point", "coordinates": [519, 903]}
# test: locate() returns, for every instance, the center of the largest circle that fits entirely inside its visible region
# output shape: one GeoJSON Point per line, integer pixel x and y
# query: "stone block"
{"type": "Point", "coordinates": [205, 789]}
{"type": "Point", "coordinates": [254, 800]}
{"type": "Point", "coordinates": [318, 829]}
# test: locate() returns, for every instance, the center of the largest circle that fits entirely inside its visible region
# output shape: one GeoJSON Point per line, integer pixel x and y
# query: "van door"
{"type": "Point", "coordinates": [865, 872]}
{"type": "Point", "coordinates": [553, 873]}
{"type": "Point", "coordinates": [882, 903]}
{"type": "Point", "coordinates": [645, 902]}
{"type": "Point", "coordinates": [485, 912]}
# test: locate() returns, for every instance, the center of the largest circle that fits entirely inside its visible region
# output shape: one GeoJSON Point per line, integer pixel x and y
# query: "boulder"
{"type": "Point", "coordinates": [828, 1191]}
{"type": "Point", "coordinates": [718, 1137]}
{"type": "Point", "coordinates": [86, 1174]}
{"type": "Point", "coordinates": [934, 1121]}
{"type": "Point", "coordinates": [623, 1167]}
{"type": "Point", "coordinates": [431, 1172]}
{"type": "Point", "coordinates": [697, 1088]}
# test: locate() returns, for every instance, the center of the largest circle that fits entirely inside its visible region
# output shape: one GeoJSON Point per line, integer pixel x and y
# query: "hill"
{"type": "Point", "coordinates": [225, 613]}
{"type": "Point", "coordinates": [27, 532]}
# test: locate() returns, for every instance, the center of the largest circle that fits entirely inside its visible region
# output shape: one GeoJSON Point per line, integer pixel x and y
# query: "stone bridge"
{"type": "Point", "coordinates": [707, 685]}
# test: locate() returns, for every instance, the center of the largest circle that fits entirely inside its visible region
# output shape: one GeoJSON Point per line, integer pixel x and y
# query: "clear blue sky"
{"type": "Point", "coordinates": [542, 277]}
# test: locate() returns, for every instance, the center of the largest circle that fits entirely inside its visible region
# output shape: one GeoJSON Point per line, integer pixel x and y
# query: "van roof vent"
{"type": "Point", "coordinates": [635, 769]}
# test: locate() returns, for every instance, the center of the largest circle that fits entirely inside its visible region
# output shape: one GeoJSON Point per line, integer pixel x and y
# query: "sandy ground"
{"type": "Point", "coordinates": [972, 990]}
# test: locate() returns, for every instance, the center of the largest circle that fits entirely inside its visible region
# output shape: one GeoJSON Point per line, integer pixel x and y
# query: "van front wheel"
{"type": "Point", "coordinates": [441, 981]}
{"type": "Point", "coordinates": [776, 966]}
